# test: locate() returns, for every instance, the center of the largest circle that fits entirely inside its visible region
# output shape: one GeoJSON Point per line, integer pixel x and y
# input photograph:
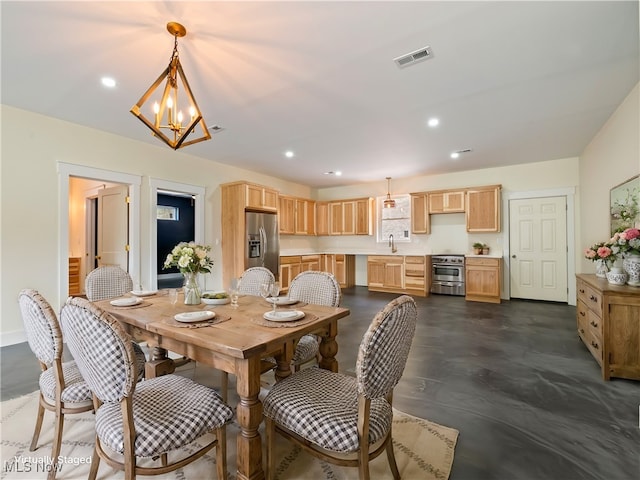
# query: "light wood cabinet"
{"type": "Point", "coordinates": [75, 286]}
{"type": "Point", "coordinates": [309, 262]}
{"type": "Point", "coordinates": [322, 218]}
{"type": "Point", "coordinates": [296, 216]}
{"type": "Point", "coordinates": [342, 266]}
{"type": "Point", "coordinates": [483, 209]}
{"type": "Point", "coordinates": [236, 197]}
{"type": "Point", "coordinates": [420, 219]}
{"type": "Point", "coordinates": [416, 275]}
{"type": "Point", "coordinates": [349, 217]}
{"type": "Point", "coordinates": [385, 273]}
{"type": "Point", "coordinates": [261, 197]}
{"type": "Point", "coordinates": [608, 321]}
{"type": "Point", "coordinates": [482, 279]}
{"type": "Point", "coordinates": [447, 201]}
{"type": "Point", "coordinates": [290, 266]}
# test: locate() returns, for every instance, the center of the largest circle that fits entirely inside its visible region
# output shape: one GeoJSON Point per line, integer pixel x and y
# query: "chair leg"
{"type": "Point", "coordinates": [221, 453]}
{"type": "Point", "coordinates": [270, 432]}
{"type": "Point", "coordinates": [95, 462]}
{"type": "Point", "coordinates": [363, 464]}
{"type": "Point", "coordinates": [36, 431]}
{"type": "Point", "coordinates": [392, 459]}
{"type": "Point", "coordinates": [57, 441]}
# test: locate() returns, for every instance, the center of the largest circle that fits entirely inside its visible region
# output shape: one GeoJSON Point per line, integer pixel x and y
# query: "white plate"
{"type": "Point", "coordinates": [282, 300]}
{"type": "Point", "coordinates": [189, 317]}
{"type": "Point", "coordinates": [143, 293]}
{"type": "Point", "coordinates": [283, 315]}
{"type": "Point", "coordinates": [126, 301]}
{"type": "Point", "coordinates": [215, 301]}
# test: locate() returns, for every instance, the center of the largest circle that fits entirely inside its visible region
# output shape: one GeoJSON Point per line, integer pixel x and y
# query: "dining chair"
{"type": "Point", "coordinates": [62, 388]}
{"type": "Point", "coordinates": [140, 420]}
{"type": "Point", "coordinates": [107, 281]}
{"type": "Point", "coordinates": [336, 417]}
{"type": "Point", "coordinates": [252, 278]}
{"type": "Point", "coordinates": [319, 288]}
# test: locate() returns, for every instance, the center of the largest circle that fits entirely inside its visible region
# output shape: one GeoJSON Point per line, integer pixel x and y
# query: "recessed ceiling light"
{"type": "Point", "coordinates": [336, 173]}
{"type": "Point", "coordinates": [455, 154]}
{"type": "Point", "coordinates": [288, 154]}
{"type": "Point", "coordinates": [433, 122]}
{"type": "Point", "coordinates": [108, 82]}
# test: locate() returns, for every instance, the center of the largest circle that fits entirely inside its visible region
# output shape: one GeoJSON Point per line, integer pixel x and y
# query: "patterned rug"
{"type": "Point", "coordinates": [424, 450]}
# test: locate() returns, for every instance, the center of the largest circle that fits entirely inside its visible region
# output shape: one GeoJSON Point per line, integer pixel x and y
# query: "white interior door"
{"type": "Point", "coordinates": [538, 246]}
{"type": "Point", "coordinates": [113, 221]}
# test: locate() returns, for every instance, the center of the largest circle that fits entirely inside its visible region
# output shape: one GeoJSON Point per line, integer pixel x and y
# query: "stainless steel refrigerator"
{"type": "Point", "coordinates": [262, 248]}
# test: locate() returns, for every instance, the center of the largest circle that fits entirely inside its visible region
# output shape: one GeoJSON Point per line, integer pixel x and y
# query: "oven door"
{"type": "Point", "coordinates": [447, 273]}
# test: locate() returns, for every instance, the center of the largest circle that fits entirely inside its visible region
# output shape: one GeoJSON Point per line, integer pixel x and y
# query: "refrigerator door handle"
{"type": "Point", "coordinates": [263, 238]}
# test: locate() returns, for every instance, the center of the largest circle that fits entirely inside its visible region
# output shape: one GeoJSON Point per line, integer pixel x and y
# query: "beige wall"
{"type": "Point", "coordinates": [32, 145]}
{"type": "Point", "coordinates": [612, 157]}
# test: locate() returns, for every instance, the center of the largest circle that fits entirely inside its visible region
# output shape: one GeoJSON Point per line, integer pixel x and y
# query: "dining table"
{"type": "Point", "coordinates": [237, 340]}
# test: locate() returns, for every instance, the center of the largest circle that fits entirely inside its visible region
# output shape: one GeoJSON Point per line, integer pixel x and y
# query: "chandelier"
{"type": "Point", "coordinates": [389, 202]}
{"type": "Point", "coordinates": [166, 114]}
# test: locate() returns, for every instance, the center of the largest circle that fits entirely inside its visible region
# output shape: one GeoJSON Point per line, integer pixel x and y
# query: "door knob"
{"type": "Point", "coordinates": [513, 256]}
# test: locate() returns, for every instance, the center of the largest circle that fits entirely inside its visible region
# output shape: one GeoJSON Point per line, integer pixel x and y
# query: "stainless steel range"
{"type": "Point", "coordinates": [447, 274]}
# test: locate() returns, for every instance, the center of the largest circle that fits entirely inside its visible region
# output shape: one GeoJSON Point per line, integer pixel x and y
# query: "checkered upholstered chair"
{"type": "Point", "coordinates": [320, 288]}
{"type": "Point", "coordinates": [339, 418]}
{"type": "Point", "coordinates": [107, 281]}
{"type": "Point", "coordinates": [62, 388]}
{"type": "Point", "coordinates": [252, 278]}
{"type": "Point", "coordinates": [146, 419]}
{"type": "Point", "coordinates": [111, 281]}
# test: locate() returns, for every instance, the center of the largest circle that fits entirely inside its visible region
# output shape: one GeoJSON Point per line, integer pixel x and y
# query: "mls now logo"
{"type": "Point", "coordinates": [30, 465]}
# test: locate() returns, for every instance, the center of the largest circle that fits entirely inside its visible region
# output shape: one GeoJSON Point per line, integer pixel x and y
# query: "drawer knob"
{"type": "Point", "coordinates": [593, 298]}
{"type": "Point", "coordinates": [582, 330]}
{"type": "Point", "coordinates": [594, 344]}
{"type": "Point", "coordinates": [581, 290]}
{"type": "Point", "coordinates": [594, 324]}
{"type": "Point", "coordinates": [582, 313]}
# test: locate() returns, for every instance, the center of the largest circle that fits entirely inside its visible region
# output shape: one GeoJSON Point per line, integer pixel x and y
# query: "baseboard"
{"type": "Point", "coordinates": [11, 338]}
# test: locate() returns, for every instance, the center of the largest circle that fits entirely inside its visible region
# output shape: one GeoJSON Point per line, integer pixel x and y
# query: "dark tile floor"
{"type": "Point", "coordinates": [514, 379]}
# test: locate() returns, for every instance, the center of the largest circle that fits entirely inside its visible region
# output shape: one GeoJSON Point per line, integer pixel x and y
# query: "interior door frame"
{"type": "Point", "coordinates": [67, 170]}
{"type": "Point", "coordinates": [569, 193]}
{"type": "Point", "coordinates": [198, 194]}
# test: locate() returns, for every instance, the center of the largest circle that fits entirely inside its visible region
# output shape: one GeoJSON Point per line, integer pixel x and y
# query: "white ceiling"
{"type": "Point", "coordinates": [515, 82]}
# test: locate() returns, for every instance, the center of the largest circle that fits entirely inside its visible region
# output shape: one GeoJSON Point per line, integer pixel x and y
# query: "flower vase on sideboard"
{"type": "Point", "coordinates": [631, 265]}
{"type": "Point", "coordinates": [601, 268]}
{"type": "Point", "coordinates": [191, 289]}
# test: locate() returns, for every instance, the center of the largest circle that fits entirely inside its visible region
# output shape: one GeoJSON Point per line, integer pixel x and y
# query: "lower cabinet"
{"type": "Point", "coordinates": [397, 274]}
{"type": "Point", "coordinates": [482, 279]}
{"type": "Point", "coordinates": [342, 266]}
{"type": "Point", "coordinates": [75, 288]}
{"type": "Point", "coordinates": [289, 268]}
{"type": "Point", "coordinates": [608, 321]}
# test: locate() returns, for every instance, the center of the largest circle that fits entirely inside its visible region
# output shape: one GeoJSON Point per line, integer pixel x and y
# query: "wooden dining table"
{"type": "Point", "coordinates": [236, 340]}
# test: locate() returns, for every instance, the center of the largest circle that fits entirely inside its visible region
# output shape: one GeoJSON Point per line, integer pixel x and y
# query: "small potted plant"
{"type": "Point", "coordinates": [477, 248]}
{"type": "Point", "coordinates": [485, 249]}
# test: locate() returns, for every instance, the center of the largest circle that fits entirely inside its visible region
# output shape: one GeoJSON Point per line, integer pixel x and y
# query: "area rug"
{"type": "Point", "coordinates": [424, 450]}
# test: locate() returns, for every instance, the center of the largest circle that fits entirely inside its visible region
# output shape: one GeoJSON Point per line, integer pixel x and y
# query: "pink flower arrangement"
{"type": "Point", "coordinates": [600, 251]}
{"type": "Point", "coordinates": [621, 244]}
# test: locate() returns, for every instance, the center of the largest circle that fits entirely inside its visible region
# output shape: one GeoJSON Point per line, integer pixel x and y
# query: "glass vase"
{"type": "Point", "coordinates": [191, 289]}
{"type": "Point", "coordinates": [601, 268]}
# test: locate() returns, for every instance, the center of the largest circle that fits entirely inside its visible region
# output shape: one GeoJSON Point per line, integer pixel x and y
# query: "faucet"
{"type": "Point", "coordinates": [392, 244]}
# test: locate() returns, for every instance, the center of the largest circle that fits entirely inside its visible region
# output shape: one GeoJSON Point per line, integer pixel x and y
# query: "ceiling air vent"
{"type": "Point", "coordinates": [413, 57]}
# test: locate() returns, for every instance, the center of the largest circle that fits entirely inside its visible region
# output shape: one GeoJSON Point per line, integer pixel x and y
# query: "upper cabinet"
{"type": "Point", "coordinates": [347, 217]}
{"type": "Point", "coordinates": [420, 220]}
{"type": "Point", "coordinates": [481, 206]}
{"type": "Point", "coordinates": [263, 198]}
{"type": "Point", "coordinates": [483, 209]}
{"type": "Point", "coordinates": [448, 201]}
{"type": "Point", "coordinates": [322, 218]}
{"type": "Point", "coordinates": [297, 216]}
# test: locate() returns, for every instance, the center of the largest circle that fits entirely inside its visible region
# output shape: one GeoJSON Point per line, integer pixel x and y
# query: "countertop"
{"type": "Point", "coordinates": [294, 252]}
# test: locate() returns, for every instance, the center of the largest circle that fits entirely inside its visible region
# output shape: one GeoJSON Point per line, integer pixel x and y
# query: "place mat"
{"type": "Point", "coordinates": [205, 323]}
{"type": "Point", "coordinates": [308, 318]}
{"type": "Point", "coordinates": [129, 307]}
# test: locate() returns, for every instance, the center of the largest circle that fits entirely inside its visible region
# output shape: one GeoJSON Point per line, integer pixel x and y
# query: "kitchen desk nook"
{"type": "Point", "coordinates": [236, 344]}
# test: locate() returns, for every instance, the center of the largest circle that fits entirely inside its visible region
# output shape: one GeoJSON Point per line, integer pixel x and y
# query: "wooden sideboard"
{"type": "Point", "coordinates": [608, 318]}
{"type": "Point", "coordinates": [75, 288]}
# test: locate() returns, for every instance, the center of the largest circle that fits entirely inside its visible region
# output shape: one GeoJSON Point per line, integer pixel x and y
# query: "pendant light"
{"type": "Point", "coordinates": [389, 202]}
{"type": "Point", "coordinates": [167, 114]}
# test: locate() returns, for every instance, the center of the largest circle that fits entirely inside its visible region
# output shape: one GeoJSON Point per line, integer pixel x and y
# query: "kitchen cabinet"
{"type": "Point", "coordinates": [309, 262]}
{"type": "Point", "coordinates": [236, 197]}
{"type": "Point", "coordinates": [482, 279]}
{"type": "Point", "coordinates": [322, 218]}
{"type": "Point", "coordinates": [420, 219]}
{"type": "Point", "coordinates": [296, 216]}
{"type": "Point", "coordinates": [290, 266]}
{"type": "Point", "coordinates": [608, 322]}
{"type": "Point", "coordinates": [261, 197]}
{"type": "Point", "coordinates": [447, 201]}
{"type": "Point", "coordinates": [342, 266]}
{"type": "Point", "coordinates": [351, 217]}
{"type": "Point", "coordinates": [75, 287]}
{"type": "Point", "coordinates": [483, 209]}
{"type": "Point", "coordinates": [416, 277]}
{"type": "Point", "coordinates": [385, 273]}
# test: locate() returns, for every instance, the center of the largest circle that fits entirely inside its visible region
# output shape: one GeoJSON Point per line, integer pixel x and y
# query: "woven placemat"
{"type": "Point", "coordinates": [308, 318]}
{"type": "Point", "coordinates": [204, 323]}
